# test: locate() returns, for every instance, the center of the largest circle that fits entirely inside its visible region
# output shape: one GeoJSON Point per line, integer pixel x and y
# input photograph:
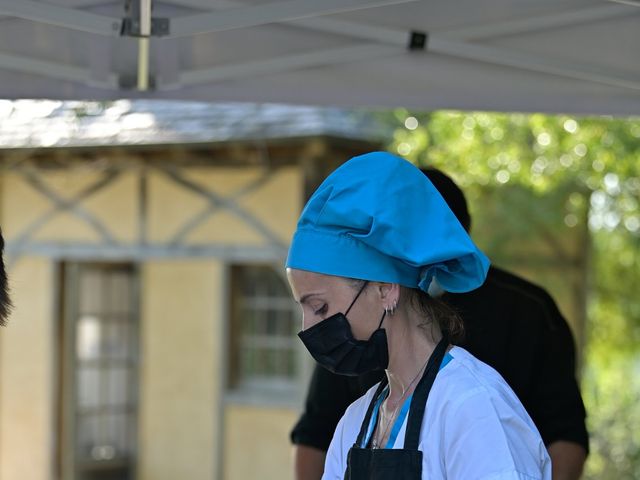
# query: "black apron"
{"type": "Point", "coordinates": [392, 464]}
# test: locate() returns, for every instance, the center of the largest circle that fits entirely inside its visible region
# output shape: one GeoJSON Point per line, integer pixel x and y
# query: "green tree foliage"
{"type": "Point", "coordinates": [558, 198]}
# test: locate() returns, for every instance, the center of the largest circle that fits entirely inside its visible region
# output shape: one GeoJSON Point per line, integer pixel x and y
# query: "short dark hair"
{"type": "Point", "coordinates": [5, 301]}
{"type": "Point", "coordinates": [451, 194]}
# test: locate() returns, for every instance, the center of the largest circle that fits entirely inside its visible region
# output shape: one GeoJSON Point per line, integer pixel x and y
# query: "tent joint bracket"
{"type": "Point", "coordinates": [131, 27]}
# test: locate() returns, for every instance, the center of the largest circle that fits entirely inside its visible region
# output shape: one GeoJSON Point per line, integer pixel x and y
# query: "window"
{"type": "Point", "coordinates": [99, 346]}
{"type": "Point", "coordinates": [264, 349]}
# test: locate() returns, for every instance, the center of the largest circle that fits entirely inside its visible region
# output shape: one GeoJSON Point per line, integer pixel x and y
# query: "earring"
{"type": "Point", "coordinates": [392, 309]}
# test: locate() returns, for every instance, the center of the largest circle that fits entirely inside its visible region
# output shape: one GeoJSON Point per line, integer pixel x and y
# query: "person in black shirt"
{"type": "Point", "coordinates": [511, 324]}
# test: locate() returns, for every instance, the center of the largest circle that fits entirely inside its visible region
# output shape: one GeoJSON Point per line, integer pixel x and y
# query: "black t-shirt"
{"type": "Point", "coordinates": [511, 324]}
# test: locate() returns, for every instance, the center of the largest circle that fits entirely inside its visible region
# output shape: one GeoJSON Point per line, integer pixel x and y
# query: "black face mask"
{"type": "Point", "coordinates": [333, 346]}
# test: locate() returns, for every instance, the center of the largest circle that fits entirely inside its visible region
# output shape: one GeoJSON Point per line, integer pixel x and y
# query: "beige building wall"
{"type": "Point", "coordinates": [180, 369]}
{"type": "Point", "coordinates": [26, 373]}
{"type": "Point", "coordinates": [115, 206]}
{"type": "Point", "coordinates": [256, 443]}
{"type": "Point", "coordinates": [182, 421]}
{"type": "Point", "coordinates": [276, 203]}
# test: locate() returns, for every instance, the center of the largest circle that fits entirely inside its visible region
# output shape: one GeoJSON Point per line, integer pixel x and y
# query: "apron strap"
{"type": "Point", "coordinates": [420, 395]}
{"type": "Point", "coordinates": [367, 417]}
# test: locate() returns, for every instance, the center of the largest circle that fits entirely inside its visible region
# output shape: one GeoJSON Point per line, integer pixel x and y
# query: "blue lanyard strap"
{"type": "Point", "coordinates": [399, 421]}
{"type": "Point", "coordinates": [374, 417]}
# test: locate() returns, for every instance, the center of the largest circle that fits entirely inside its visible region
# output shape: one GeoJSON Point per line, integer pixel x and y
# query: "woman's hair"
{"type": "Point", "coordinates": [438, 311]}
{"type": "Point", "coordinates": [432, 310]}
{"type": "Point", "coordinates": [5, 301]}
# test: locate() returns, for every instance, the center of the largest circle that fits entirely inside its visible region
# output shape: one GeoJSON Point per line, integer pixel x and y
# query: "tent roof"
{"type": "Point", "coordinates": [575, 56]}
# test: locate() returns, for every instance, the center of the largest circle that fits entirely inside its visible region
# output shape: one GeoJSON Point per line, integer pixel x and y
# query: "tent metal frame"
{"type": "Point", "coordinates": [311, 15]}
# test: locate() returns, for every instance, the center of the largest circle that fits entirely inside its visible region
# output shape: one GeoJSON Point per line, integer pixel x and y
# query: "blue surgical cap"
{"type": "Point", "coordinates": [378, 217]}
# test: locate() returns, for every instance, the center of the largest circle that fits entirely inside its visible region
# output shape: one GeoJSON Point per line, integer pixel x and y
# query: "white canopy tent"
{"type": "Point", "coordinates": [578, 56]}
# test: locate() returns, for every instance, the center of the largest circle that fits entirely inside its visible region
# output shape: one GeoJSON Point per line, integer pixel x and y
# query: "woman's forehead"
{"type": "Point", "coordinates": [306, 277]}
{"type": "Point", "coordinates": [304, 282]}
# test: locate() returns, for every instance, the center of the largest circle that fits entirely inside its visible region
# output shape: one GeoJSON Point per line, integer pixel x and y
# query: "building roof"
{"type": "Point", "coordinates": [46, 123]}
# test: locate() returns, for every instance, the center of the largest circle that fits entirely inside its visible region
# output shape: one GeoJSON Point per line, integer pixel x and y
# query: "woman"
{"type": "Point", "coordinates": [371, 242]}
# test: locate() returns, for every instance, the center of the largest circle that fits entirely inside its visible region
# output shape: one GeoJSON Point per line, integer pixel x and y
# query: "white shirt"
{"type": "Point", "coordinates": [474, 428]}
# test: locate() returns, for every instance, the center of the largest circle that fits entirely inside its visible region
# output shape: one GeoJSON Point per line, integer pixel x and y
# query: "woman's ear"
{"type": "Point", "coordinates": [389, 295]}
